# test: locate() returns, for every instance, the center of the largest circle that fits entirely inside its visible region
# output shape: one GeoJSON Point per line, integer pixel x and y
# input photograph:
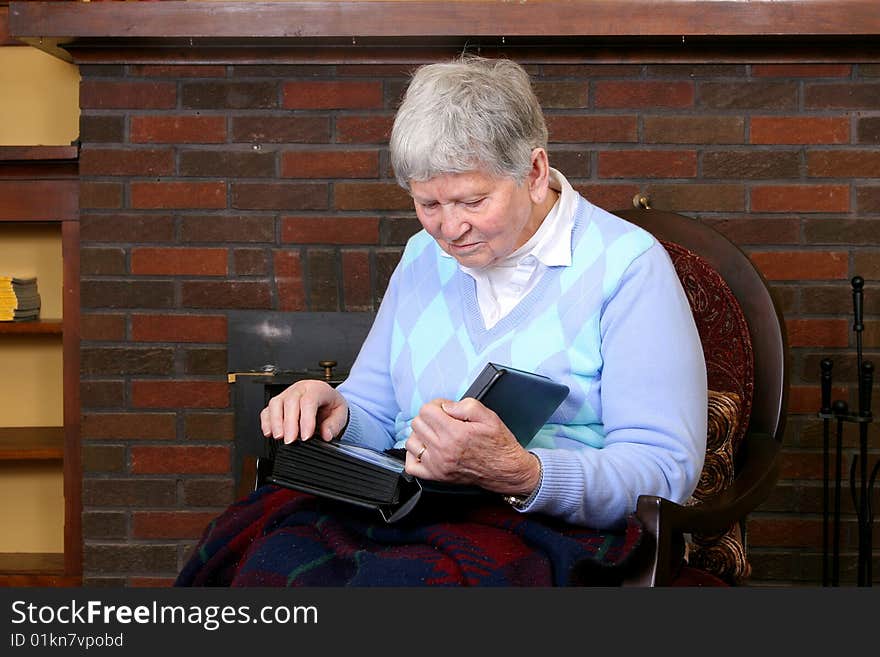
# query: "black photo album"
{"type": "Point", "coordinates": [337, 470]}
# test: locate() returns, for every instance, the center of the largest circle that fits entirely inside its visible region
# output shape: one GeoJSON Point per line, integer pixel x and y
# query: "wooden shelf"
{"type": "Point", "coordinates": [349, 31]}
{"type": "Point", "coordinates": [31, 444]}
{"type": "Point", "coordinates": [34, 569]}
{"type": "Point", "coordinates": [38, 327]}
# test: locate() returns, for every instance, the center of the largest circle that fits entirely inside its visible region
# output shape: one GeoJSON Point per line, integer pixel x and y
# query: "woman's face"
{"type": "Point", "coordinates": [479, 218]}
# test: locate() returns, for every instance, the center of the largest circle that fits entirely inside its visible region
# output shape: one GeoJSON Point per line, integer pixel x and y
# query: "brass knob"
{"type": "Point", "coordinates": [328, 366]}
{"type": "Point", "coordinates": [642, 201]}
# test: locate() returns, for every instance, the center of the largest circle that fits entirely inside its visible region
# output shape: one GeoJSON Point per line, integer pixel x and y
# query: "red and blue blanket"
{"type": "Point", "coordinates": [280, 537]}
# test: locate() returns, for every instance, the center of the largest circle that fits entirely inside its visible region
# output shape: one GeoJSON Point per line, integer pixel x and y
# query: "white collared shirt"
{"type": "Point", "coordinates": [502, 285]}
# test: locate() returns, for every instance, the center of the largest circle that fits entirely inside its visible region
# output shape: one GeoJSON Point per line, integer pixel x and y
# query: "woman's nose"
{"type": "Point", "coordinates": [452, 227]}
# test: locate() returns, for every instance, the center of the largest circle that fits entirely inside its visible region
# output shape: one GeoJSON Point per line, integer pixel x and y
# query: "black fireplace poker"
{"type": "Point", "coordinates": [861, 483]}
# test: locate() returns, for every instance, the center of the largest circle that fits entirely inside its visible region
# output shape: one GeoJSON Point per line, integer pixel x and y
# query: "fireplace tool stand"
{"type": "Point", "coordinates": [861, 486]}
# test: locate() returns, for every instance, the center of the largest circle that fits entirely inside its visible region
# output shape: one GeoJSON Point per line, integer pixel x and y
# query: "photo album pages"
{"type": "Point", "coordinates": [522, 400]}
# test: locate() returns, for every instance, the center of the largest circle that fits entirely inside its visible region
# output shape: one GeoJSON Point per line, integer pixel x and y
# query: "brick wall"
{"type": "Point", "coordinates": [211, 188]}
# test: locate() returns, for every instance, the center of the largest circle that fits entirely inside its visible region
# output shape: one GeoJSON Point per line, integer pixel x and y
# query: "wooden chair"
{"type": "Point", "coordinates": [703, 541]}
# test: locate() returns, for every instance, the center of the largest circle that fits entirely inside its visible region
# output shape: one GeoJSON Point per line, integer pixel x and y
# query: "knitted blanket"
{"type": "Point", "coordinates": [280, 537]}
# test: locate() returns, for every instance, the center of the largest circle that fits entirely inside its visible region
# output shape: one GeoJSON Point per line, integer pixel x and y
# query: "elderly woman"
{"type": "Point", "coordinates": [516, 268]}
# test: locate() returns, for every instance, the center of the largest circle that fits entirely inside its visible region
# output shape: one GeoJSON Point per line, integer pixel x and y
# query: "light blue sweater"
{"type": "Point", "coordinates": [614, 326]}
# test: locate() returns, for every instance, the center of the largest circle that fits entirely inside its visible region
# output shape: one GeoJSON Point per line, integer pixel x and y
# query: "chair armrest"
{"type": "Point", "coordinates": [664, 521]}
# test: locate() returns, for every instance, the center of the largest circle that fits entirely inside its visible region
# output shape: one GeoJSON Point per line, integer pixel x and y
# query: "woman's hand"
{"type": "Point", "coordinates": [297, 411]}
{"type": "Point", "coordinates": [466, 443]}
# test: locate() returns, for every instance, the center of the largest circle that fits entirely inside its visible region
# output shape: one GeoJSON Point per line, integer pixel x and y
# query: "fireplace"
{"type": "Point", "coordinates": [267, 352]}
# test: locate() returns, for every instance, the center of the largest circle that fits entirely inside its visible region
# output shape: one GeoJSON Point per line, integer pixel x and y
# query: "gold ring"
{"type": "Point", "coordinates": [421, 451]}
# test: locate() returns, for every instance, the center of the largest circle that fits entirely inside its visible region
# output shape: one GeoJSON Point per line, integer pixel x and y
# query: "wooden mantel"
{"type": "Point", "coordinates": [379, 30]}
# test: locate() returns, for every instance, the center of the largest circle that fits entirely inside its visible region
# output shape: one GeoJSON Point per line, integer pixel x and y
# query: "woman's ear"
{"type": "Point", "coordinates": [539, 176]}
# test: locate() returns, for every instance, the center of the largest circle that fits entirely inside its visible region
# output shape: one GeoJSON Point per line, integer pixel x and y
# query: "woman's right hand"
{"type": "Point", "coordinates": [297, 411]}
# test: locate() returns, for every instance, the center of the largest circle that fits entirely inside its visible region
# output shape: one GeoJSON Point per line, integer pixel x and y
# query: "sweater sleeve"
{"type": "Point", "coordinates": [653, 405]}
{"type": "Point", "coordinates": [368, 388]}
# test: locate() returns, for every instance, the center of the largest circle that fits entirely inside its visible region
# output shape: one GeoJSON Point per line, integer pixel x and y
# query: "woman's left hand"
{"type": "Point", "coordinates": [464, 442]}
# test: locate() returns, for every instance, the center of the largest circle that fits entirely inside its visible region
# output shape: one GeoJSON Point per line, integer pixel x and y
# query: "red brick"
{"type": "Point", "coordinates": [179, 394]}
{"type": "Point", "coordinates": [175, 72]}
{"type": "Point", "coordinates": [562, 94]}
{"type": "Point", "coordinates": [173, 459]}
{"type": "Point", "coordinates": [250, 262]}
{"type": "Point", "coordinates": [330, 164]}
{"type": "Point", "coordinates": [817, 332]}
{"type": "Point", "coordinates": [332, 95]}
{"type": "Point", "coordinates": [125, 162]}
{"type": "Point", "coordinates": [226, 228]}
{"type": "Point", "coordinates": [281, 129]}
{"type": "Point", "coordinates": [178, 195]}
{"type": "Point", "coordinates": [170, 524]}
{"type": "Point", "coordinates": [693, 129]}
{"type": "Point", "coordinates": [223, 94]}
{"type": "Point", "coordinates": [150, 582]}
{"type": "Point", "coordinates": [330, 230]}
{"type": "Point", "coordinates": [752, 164]}
{"type": "Point", "coordinates": [240, 294]}
{"type": "Point", "coordinates": [102, 261]}
{"type": "Point", "coordinates": [147, 426]}
{"type": "Point", "coordinates": [356, 281]}
{"type": "Point", "coordinates": [802, 70]}
{"type": "Point", "coordinates": [104, 94]}
{"type": "Point", "coordinates": [592, 129]}
{"type": "Point", "coordinates": [842, 96]}
{"type": "Point", "coordinates": [178, 328]}
{"type": "Point", "coordinates": [100, 195]}
{"type": "Point", "coordinates": [610, 197]}
{"type": "Point", "coordinates": [760, 94]}
{"type": "Point", "coordinates": [289, 280]}
{"type": "Point", "coordinates": [94, 326]}
{"type": "Point", "coordinates": [647, 164]}
{"type": "Point", "coordinates": [758, 230]}
{"type": "Point", "coordinates": [368, 129]}
{"type": "Point", "coordinates": [799, 130]}
{"type": "Point", "coordinates": [844, 164]}
{"type": "Point", "coordinates": [785, 532]}
{"type": "Point", "coordinates": [119, 227]}
{"type": "Point", "coordinates": [868, 200]}
{"type": "Point", "coordinates": [209, 427]}
{"type": "Point", "coordinates": [650, 94]}
{"type": "Point", "coordinates": [800, 198]}
{"type": "Point", "coordinates": [697, 197]}
{"type": "Point", "coordinates": [178, 129]}
{"type": "Point", "coordinates": [279, 196]}
{"type": "Point", "coordinates": [179, 261]}
{"type": "Point", "coordinates": [801, 465]}
{"type": "Point", "coordinates": [370, 196]}
{"type": "Point", "coordinates": [236, 164]}
{"type": "Point", "coordinates": [802, 265]}
{"type": "Point", "coordinates": [591, 71]}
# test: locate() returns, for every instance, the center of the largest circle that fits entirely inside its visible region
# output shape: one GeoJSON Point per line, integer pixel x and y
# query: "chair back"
{"type": "Point", "coordinates": [744, 344]}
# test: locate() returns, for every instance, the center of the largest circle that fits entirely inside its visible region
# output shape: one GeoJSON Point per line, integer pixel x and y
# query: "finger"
{"type": "Point", "coordinates": [467, 410]}
{"type": "Point", "coordinates": [425, 431]}
{"type": "Point", "coordinates": [333, 424]}
{"type": "Point", "coordinates": [432, 420]}
{"type": "Point", "coordinates": [275, 414]}
{"type": "Point", "coordinates": [265, 425]}
{"type": "Point", "coordinates": [308, 412]}
{"type": "Point", "coordinates": [290, 430]}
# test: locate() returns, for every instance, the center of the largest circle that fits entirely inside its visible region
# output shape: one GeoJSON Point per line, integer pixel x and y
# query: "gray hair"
{"type": "Point", "coordinates": [467, 114]}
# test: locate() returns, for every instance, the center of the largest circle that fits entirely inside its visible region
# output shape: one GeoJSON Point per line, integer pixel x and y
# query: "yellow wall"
{"type": "Point", "coordinates": [39, 106]}
{"type": "Point", "coordinates": [39, 98]}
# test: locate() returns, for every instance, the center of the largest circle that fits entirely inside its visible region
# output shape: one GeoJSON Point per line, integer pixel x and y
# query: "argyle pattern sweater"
{"type": "Point", "coordinates": [615, 327]}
